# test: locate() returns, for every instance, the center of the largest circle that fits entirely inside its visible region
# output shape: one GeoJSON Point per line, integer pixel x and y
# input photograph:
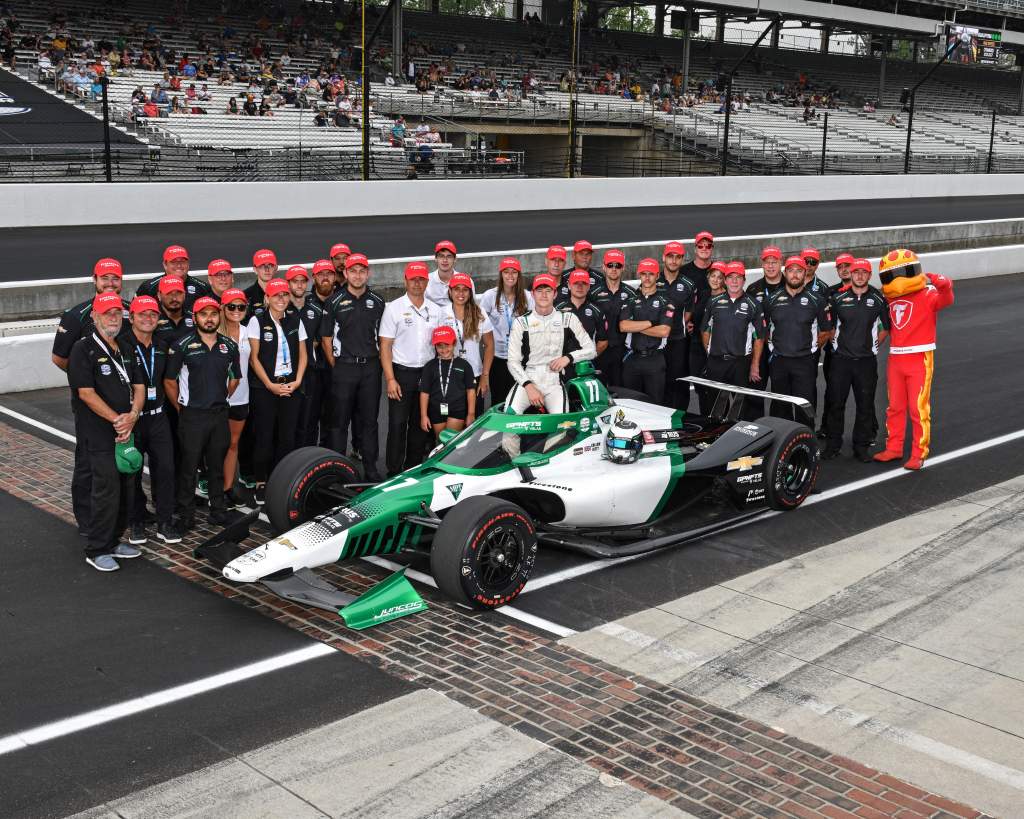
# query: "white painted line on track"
{"type": "Point", "coordinates": [101, 716]}
{"type": "Point", "coordinates": [38, 425]}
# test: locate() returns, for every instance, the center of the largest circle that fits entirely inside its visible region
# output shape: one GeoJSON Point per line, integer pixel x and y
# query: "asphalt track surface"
{"type": "Point", "coordinates": [31, 253]}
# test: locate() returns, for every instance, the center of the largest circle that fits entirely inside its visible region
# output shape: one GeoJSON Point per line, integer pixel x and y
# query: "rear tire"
{"type": "Point", "coordinates": [293, 493]}
{"type": "Point", "coordinates": [483, 552]}
{"type": "Point", "coordinates": [792, 464]}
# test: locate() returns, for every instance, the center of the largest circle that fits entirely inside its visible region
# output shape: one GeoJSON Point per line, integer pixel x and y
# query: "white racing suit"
{"type": "Point", "coordinates": [533, 343]}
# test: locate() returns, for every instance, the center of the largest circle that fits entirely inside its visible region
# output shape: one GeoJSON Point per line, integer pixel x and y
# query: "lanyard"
{"type": "Point", "coordinates": [425, 316]}
{"type": "Point", "coordinates": [510, 317]}
{"type": "Point", "coordinates": [117, 362]}
{"type": "Point", "coordinates": [444, 381]}
{"type": "Point", "coordinates": [458, 334]}
{"type": "Point", "coordinates": [151, 369]}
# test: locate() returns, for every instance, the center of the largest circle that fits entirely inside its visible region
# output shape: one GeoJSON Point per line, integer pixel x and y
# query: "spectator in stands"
{"type": "Point", "coordinates": [249, 106]}
{"type": "Point", "coordinates": [265, 108]}
{"type": "Point", "coordinates": [176, 105]}
{"type": "Point", "coordinates": [398, 132]}
{"type": "Point", "coordinates": [894, 120]}
{"type": "Point", "coordinates": [158, 96]}
{"type": "Point", "coordinates": [869, 106]}
{"type": "Point", "coordinates": [204, 94]}
{"type": "Point", "coordinates": [232, 106]}
{"type": "Point", "coordinates": [343, 117]}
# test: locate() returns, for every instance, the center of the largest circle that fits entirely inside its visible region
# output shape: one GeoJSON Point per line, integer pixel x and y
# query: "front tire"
{"type": "Point", "coordinates": [483, 552]}
{"type": "Point", "coordinates": [300, 486]}
{"type": "Point", "coordinates": [792, 464]}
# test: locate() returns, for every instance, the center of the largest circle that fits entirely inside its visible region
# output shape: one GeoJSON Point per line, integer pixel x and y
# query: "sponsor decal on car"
{"type": "Point", "coordinates": [748, 429]}
{"type": "Point", "coordinates": [755, 495]}
{"type": "Point", "coordinates": [753, 477]}
{"type": "Point", "coordinates": [567, 425]}
{"type": "Point", "coordinates": [287, 544]}
{"type": "Point", "coordinates": [744, 464]}
{"type": "Point", "coordinates": [525, 426]}
{"type": "Point", "coordinates": [403, 608]}
{"type": "Point", "coordinates": [455, 489]}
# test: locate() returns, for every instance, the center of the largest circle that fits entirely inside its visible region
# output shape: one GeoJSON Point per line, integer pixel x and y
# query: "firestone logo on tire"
{"type": "Point", "coordinates": [7, 108]}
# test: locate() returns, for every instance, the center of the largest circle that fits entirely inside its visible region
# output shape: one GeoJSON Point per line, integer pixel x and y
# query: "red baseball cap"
{"type": "Point", "coordinates": [460, 280]}
{"type": "Point", "coordinates": [341, 247]}
{"type": "Point", "coordinates": [219, 266]}
{"type": "Point", "coordinates": [170, 284]}
{"type": "Point", "coordinates": [845, 258]}
{"type": "Point", "coordinates": [579, 277]}
{"type": "Point", "coordinates": [140, 304]}
{"type": "Point", "coordinates": [359, 258]}
{"type": "Point", "coordinates": [275, 286]}
{"type": "Point", "coordinates": [445, 245]}
{"type": "Point", "coordinates": [233, 294]}
{"type": "Point", "coordinates": [811, 253]}
{"type": "Point", "coordinates": [556, 252]}
{"type": "Point", "coordinates": [510, 262]}
{"type": "Point", "coordinates": [107, 301]}
{"type": "Point", "coordinates": [771, 252]}
{"type": "Point", "coordinates": [704, 234]}
{"type": "Point", "coordinates": [860, 264]}
{"type": "Point", "coordinates": [416, 270]}
{"type": "Point", "coordinates": [322, 265]}
{"type": "Point", "coordinates": [175, 252]}
{"type": "Point", "coordinates": [648, 266]}
{"type": "Point", "coordinates": [544, 280]}
{"type": "Point", "coordinates": [582, 244]}
{"type": "Point", "coordinates": [721, 267]}
{"type": "Point", "coordinates": [264, 257]}
{"type": "Point", "coordinates": [674, 247]}
{"type": "Point", "coordinates": [295, 271]}
{"type": "Point", "coordinates": [796, 260]}
{"type": "Point", "coordinates": [614, 255]}
{"type": "Point", "coordinates": [204, 302]}
{"type": "Point", "coordinates": [107, 267]}
{"type": "Point", "coordinates": [735, 269]}
{"type": "Point", "coordinates": [442, 335]}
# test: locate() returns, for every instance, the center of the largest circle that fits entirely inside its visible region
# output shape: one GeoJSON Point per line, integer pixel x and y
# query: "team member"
{"type": "Point", "coordinates": [770, 282]}
{"type": "Point", "coordinates": [221, 277]}
{"type": "Point", "coordinates": [325, 286]}
{"type": "Point", "coordinates": [574, 298]}
{"type": "Point", "coordinates": [349, 336]}
{"type": "Point", "coordinates": [202, 372]}
{"type": "Point", "coordinates": [681, 291]}
{"type": "Point", "coordinates": [405, 333]}
{"type": "Point", "coordinates": [647, 319]}
{"type": "Point", "coordinates": [437, 285]}
{"type": "Point", "coordinates": [715, 286]}
{"type": "Point", "coordinates": [153, 435]}
{"type": "Point", "coordinates": [861, 325]}
{"type": "Point", "coordinates": [277, 365]}
{"type": "Point", "coordinates": [798, 324]}
{"type": "Point", "coordinates": [447, 392]}
{"type": "Point", "coordinates": [175, 263]}
{"type": "Point", "coordinates": [502, 305]}
{"type": "Point", "coordinates": [75, 323]}
{"type": "Point", "coordinates": [311, 315]}
{"type": "Point", "coordinates": [611, 298]}
{"type": "Point", "coordinates": [233, 310]}
{"type": "Point", "coordinates": [582, 256]}
{"type": "Point", "coordinates": [538, 351]}
{"type": "Point", "coordinates": [914, 300]}
{"type": "Point", "coordinates": [554, 263]}
{"type": "Point", "coordinates": [696, 270]}
{"type": "Point", "coordinates": [264, 264]}
{"type": "Point", "coordinates": [812, 258]}
{"type": "Point", "coordinates": [733, 333]}
{"type": "Point", "coordinates": [338, 253]}
{"type": "Point", "coordinates": [474, 333]}
{"type": "Point", "coordinates": [108, 395]}
{"type": "Point", "coordinates": [843, 262]}
{"type": "Point", "coordinates": [844, 265]}
{"type": "Point", "coordinates": [175, 321]}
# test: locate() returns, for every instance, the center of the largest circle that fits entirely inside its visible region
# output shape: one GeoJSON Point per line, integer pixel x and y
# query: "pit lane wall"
{"type": "Point", "coordinates": [25, 358]}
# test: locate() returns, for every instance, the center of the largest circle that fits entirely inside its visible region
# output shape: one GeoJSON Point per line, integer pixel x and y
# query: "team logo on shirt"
{"type": "Point", "coordinates": [223, 348]}
{"type": "Point", "coordinates": [105, 369]}
{"type": "Point", "coordinates": [189, 322]}
{"type": "Point", "coordinates": [268, 336]}
{"type": "Point", "coordinates": [901, 312]}
{"type": "Point", "coordinates": [310, 314]}
{"type": "Point", "coordinates": [871, 302]}
{"type": "Point", "coordinates": [803, 301]}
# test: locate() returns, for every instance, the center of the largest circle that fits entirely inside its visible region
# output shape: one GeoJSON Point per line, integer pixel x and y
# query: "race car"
{"type": "Point", "coordinates": [615, 475]}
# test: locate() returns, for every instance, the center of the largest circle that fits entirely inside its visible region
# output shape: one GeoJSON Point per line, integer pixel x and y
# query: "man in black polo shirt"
{"type": "Point", "coordinates": [611, 298]}
{"type": "Point", "coordinates": [351, 346]}
{"type": "Point", "coordinates": [574, 298]}
{"type": "Point", "coordinates": [761, 290]}
{"type": "Point", "coordinates": [733, 333]}
{"type": "Point", "coordinates": [311, 315]}
{"type": "Point", "coordinates": [798, 324]}
{"type": "Point", "coordinates": [175, 263]}
{"type": "Point", "coordinates": [647, 318]}
{"type": "Point", "coordinates": [75, 323]}
{"type": "Point", "coordinates": [862, 324]}
{"type": "Point", "coordinates": [202, 371]}
{"type": "Point", "coordinates": [107, 394]}
{"type": "Point", "coordinates": [338, 253]}
{"type": "Point", "coordinates": [175, 321]}
{"type": "Point", "coordinates": [681, 291]}
{"type": "Point", "coordinates": [582, 256]}
{"type": "Point", "coordinates": [696, 270]}
{"type": "Point", "coordinates": [264, 264]}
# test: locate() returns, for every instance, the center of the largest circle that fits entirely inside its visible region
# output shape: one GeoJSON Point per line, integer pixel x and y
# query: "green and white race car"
{"type": "Point", "coordinates": [616, 475]}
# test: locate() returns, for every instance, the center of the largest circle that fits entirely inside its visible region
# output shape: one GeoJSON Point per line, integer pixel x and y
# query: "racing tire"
{"type": "Point", "coordinates": [294, 492]}
{"type": "Point", "coordinates": [483, 552]}
{"type": "Point", "coordinates": [791, 465]}
{"type": "Point", "coordinates": [630, 395]}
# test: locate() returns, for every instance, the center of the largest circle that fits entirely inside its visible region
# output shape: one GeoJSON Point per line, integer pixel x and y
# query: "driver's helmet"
{"type": "Point", "coordinates": [624, 440]}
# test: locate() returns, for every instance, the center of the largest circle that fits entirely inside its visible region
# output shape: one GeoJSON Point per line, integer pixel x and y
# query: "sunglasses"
{"type": "Point", "coordinates": [235, 308]}
{"type": "Point", "coordinates": [811, 262]}
{"type": "Point", "coordinates": [705, 245]}
{"type": "Point", "coordinates": [615, 266]}
{"type": "Point", "coordinates": [907, 271]}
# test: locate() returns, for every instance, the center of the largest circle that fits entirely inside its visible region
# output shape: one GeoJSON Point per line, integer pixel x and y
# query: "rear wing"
{"type": "Point", "coordinates": [730, 400]}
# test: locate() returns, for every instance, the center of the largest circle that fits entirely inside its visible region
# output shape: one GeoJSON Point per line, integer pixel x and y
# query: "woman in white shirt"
{"type": "Point", "coordinates": [474, 339]}
{"type": "Point", "coordinates": [502, 305]}
{"type": "Point", "coordinates": [235, 305]}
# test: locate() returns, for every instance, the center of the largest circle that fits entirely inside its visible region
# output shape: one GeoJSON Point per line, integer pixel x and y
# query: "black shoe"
{"type": "Point", "coordinates": [137, 534]}
{"type": "Point", "coordinates": [862, 455]}
{"type": "Point", "coordinates": [235, 500]}
{"type": "Point", "coordinates": [260, 493]}
{"type": "Point", "coordinates": [373, 476]}
{"type": "Point", "coordinates": [822, 433]}
{"type": "Point", "coordinates": [185, 523]}
{"type": "Point", "coordinates": [355, 453]}
{"type": "Point", "coordinates": [168, 533]}
{"type": "Point", "coordinates": [830, 453]}
{"type": "Point", "coordinates": [219, 517]}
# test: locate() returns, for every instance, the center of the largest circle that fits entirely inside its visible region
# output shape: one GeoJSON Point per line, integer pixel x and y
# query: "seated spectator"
{"type": "Point", "coordinates": [320, 119]}
{"type": "Point", "coordinates": [176, 105]}
{"type": "Point", "coordinates": [204, 94]}
{"type": "Point", "coordinates": [190, 92]}
{"type": "Point", "coordinates": [869, 107]}
{"type": "Point", "coordinates": [265, 108]}
{"type": "Point", "coordinates": [249, 107]}
{"type": "Point", "coordinates": [159, 96]}
{"type": "Point", "coordinates": [225, 77]}
{"type": "Point", "coordinates": [894, 119]}
{"type": "Point", "coordinates": [232, 106]}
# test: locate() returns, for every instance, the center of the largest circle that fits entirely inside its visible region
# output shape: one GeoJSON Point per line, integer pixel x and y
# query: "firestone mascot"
{"type": "Point", "coordinates": [914, 300]}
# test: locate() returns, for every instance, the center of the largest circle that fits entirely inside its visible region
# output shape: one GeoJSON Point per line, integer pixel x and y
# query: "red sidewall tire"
{"type": "Point", "coordinates": [293, 480]}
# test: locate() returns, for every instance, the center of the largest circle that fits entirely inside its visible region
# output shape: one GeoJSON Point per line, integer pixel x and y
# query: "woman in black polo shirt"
{"type": "Point", "coordinates": [277, 363]}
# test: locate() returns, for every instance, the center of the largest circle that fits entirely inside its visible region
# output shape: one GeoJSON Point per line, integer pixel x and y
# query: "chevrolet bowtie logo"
{"type": "Point", "coordinates": [745, 463]}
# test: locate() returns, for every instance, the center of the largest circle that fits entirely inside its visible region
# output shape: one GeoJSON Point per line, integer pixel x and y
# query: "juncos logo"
{"type": "Point", "coordinates": [7, 109]}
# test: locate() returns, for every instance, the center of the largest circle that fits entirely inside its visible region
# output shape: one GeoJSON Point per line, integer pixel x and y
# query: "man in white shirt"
{"type": "Point", "coordinates": [437, 285]}
{"type": "Point", "coordinates": [405, 348]}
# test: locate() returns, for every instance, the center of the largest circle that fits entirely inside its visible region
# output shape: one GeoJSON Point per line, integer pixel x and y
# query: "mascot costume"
{"type": "Point", "coordinates": [914, 300]}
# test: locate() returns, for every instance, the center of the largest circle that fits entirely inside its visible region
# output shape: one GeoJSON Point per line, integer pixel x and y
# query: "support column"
{"type": "Point", "coordinates": [1020, 94]}
{"type": "Point", "coordinates": [775, 38]}
{"type": "Point", "coordinates": [826, 33]}
{"type": "Point", "coordinates": [435, 6]}
{"type": "Point", "coordinates": [686, 51]}
{"type": "Point", "coordinates": [881, 69]}
{"type": "Point", "coordinates": [659, 20]}
{"type": "Point", "coordinates": [720, 27]}
{"type": "Point", "coordinates": [396, 41]}
{"type": "Point", "coordinates": [519, 10]}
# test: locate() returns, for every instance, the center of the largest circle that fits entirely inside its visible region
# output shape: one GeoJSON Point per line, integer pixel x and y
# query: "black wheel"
{"type": "Point", "coordinates": [483, 552]}
{"type": "Point", "coordinates": [307, 483]}
{"type": "Point", "coordinates": [791, 466]}
{"type": "Point", "coordinates": [630, 395]}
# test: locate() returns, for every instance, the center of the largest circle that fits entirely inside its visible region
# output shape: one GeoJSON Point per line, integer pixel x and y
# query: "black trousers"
{"type": "Point", "coordinates": [153, 438]}
{"type": "Point", "coordinates": [646, 374]}
{"type": "Point", "coordinates": [610, 365]}
{"type": "Point", "coordinates": [677, 365]}
{"type": "Point", "coordinates": [860, 374]}
{"type": "Point", "coordinates": [314, 422]}
{"type": "Point", "coordinates": [407, 442]}
{"type": "Point", "coordinates": [356, 391]}
{"type": "Point", "coordinates": [501, 380]}
{"type": "Point", "coordinates": [796, 376]}
{"type": "Point", "coordinates": [735, 370]}
{"type": "Point", "coordinates": [81, 485]}
{"type": "Point", "coordinates": [275, 422]}
{"type": "Point", "coordinates": [698, 361]}
{"type": "Point", "coordinates": [108, 495]}
{"type": "Point", "coordinates": [203, 433]}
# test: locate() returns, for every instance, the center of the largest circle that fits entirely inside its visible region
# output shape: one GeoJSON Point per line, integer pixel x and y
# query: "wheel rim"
{"type": "Point", "coordinates": [797, 471]}
{"type": "Point", "coordinates": [322, 495]}
{"type": "Point", "coordinates": [498, 558]}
